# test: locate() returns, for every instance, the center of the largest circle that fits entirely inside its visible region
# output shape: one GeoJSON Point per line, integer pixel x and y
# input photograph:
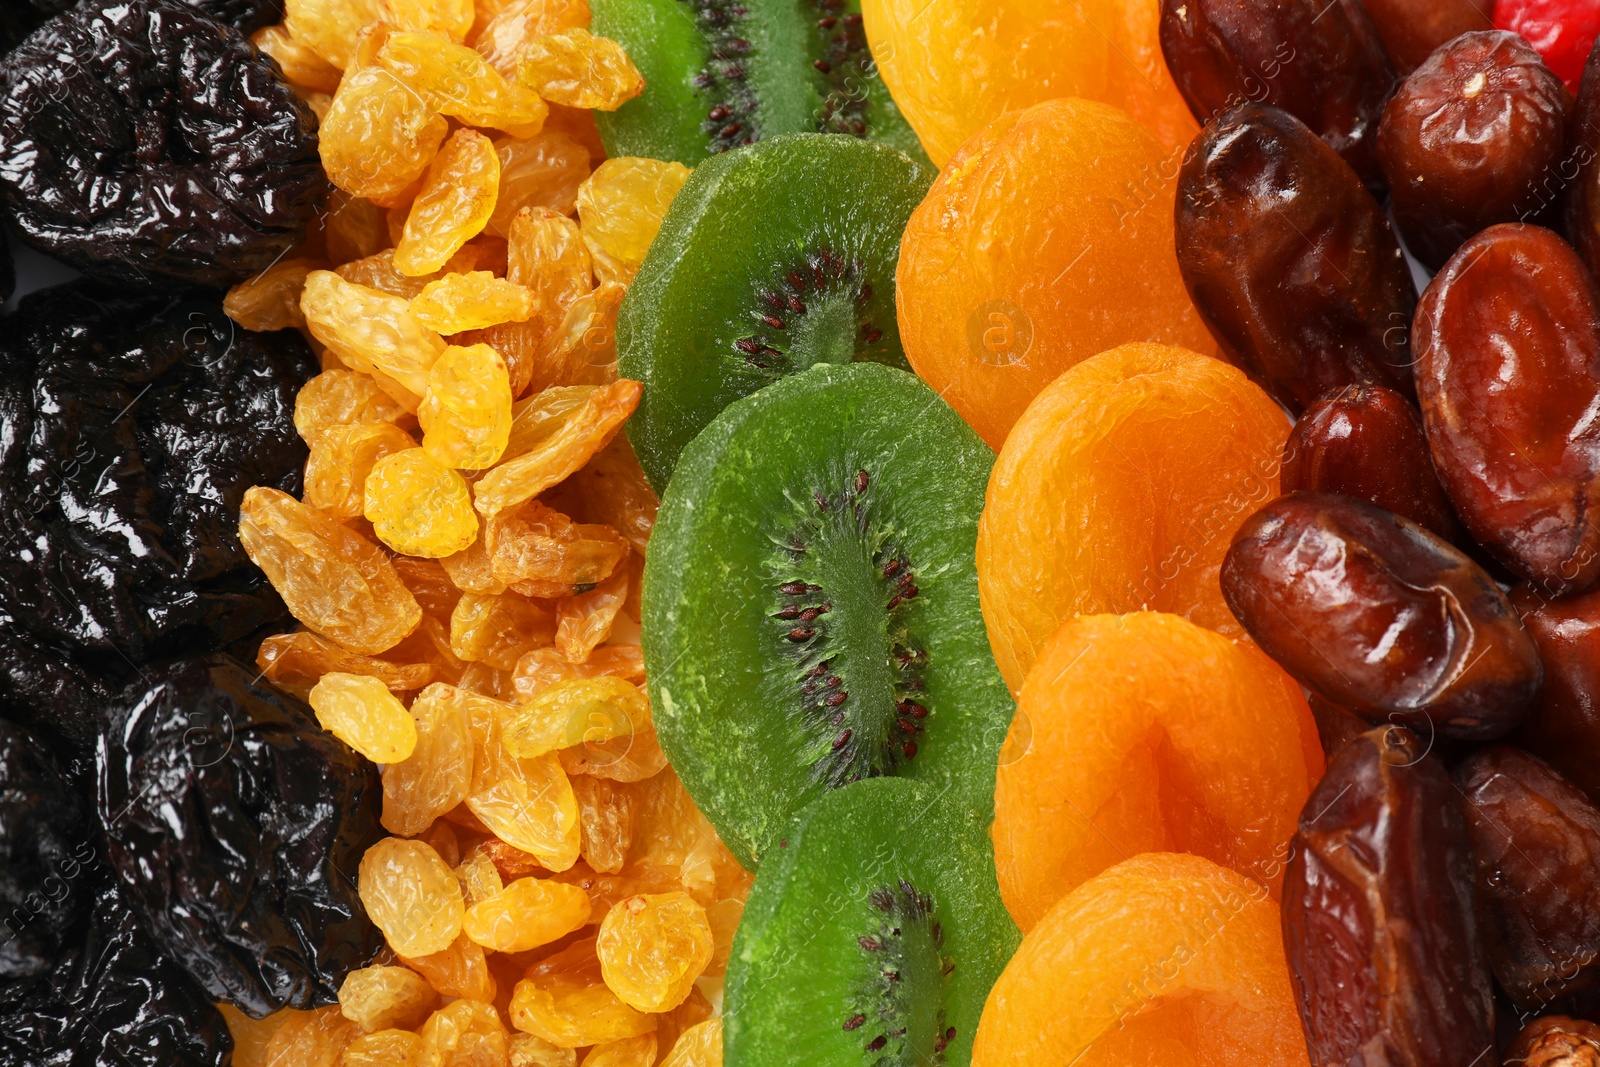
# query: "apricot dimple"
{"type": "Point", "coordinates": [1047, 239]}
{"type": "Point", "coordinates": [1119, 490]}
{"type": "Point", "coordinates": [1164, 958]}
{"type": "Point", "coordinates": [1145, 733]}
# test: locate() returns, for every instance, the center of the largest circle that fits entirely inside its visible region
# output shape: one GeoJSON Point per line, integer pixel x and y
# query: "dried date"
{"type": "Point", "coordinates": [1556, 1041]}
{"type": "Point", "coordinates": [1384, 956]}
{"type": "Point", "coordinates": [1580, 170]}
{"type": "Point", "coordinates": [1563, 728]}
{"type": "Point", "coordinates": [1290, 261]}
{"type": "Point", "coordinates": [1508, 375]}
{"type": "Point", "coordinates": [1412, 29]}
{"type": "Point", "coordinates": [1381, 617]}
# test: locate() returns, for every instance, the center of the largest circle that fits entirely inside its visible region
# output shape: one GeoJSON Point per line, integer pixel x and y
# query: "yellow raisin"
{"type": "Point", "coordinates": [629, 1052]}
{"type": "Point", "coordinates": [622, 203]}
{"type": "Point", "coordinates": [340, 396]}
{"type": "Point", "coordinates": [331, 578]}
{"type": "Point", "coordinates": [583, 348]}
{"type": "Point", "coordinates": [458, 196]}
{"type": "Point", "coordinates": [329, 27]}
{"type": "Point", "coordinates": [575, 712]}
{"type": "Point", "coordinates": [480, 879]}
{"type": "Point", "coordinates": [471, 570]}
{"type": "Point", "coordinates": [606, 814]}
{"type": "Point", "coordinates": [430, 644]}
{"type": "Point", "coordinates": [724, 916]}
{"type": "Point", "coordinates": [341, 458]}
{"type": "Point", "coordinates": [418, 790]}
{"type": "Point", "coordinates": [270, 300]}
{"type": "Point", "coordinates": [448, 18]}
{"type": "Point", "coordinates": [454, 80]}
{"type": "Point", "coordinates": [632, 758]}
{"type": "Point", "coordinates": [370, 331]}
{"type": "Point", "coordinates": [359, 710]}
{"type": "Point", "coordinates": [540, 552]}
{"type": "Point", "coordinates": [461, 970]}
{"type": "Point", "coordinates": [385, 998]}
{"type": "Point", "coordinates": [498, 629]}
{"type": "Point", "coordinates": [467, 1033]}
{"type": "Point", "coordinates": [526, 914]}
{"type": "Point", "coordinates": [311, 1039]}
{"type": "Point", "coordinates": [411, 894]}
{"type": "Point", "coordinates": [377, 271]}
{"type": "Point", "coordinates": [528, 1050]}
{"type": "Point", "coordinates": [429, 583]}
{"type": "Point", "coordinates": [695, 1010]}
{"type": "Point", "coordinates": [379, 136]}
{"type": "Point", "coordinates": [457, 303]}
{"type": "Point", "coordinates": [251, 1037]}
{"type": "Point", "coordinates": [354, 228]}
{"type": "Point", "coordinates": [295, 661]}
{"type": "Point", "coordinates": [699, 1046]}
{"type": "Point", "coordinates": [543, 667]}
{"type": "Point", "coordinates": [466, 412]}
{"type": "Point", "coordinates": [505, 35]}
{"type": "Point", "coordinates": [540, 173]}
{"type": "Point", "coordinates": [527, 803]}
{"type": "Point", "coordinates": [585, 620]}
{"type": "Point", "coordinates": [385, 1048]}
{"type": "Point", "coordinates": [672, 834]}
{"type": "Point", "coordinates": [553, 434]}
{"type": "Point", "coordinates": [578, 69]}
{"type": "Point", "coordinates": [546, 253]}
{"type": "Point", "coordinates": [652, 947]}
{"type": "Point", "coordinates": [564, 999]}
{"type": "Point", "coordinates": [418, 506]}
{"type": "Point", "coordinates": [301, 64]}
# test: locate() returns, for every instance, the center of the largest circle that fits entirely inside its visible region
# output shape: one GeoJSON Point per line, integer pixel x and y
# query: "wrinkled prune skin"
{"type": "Point", "coordinates": [1507, 338]}
{"type": "Point", "coordinates": [1290, 261]}
{"type": "Point", "coordinates": [45, 851]}
{"type": "Point", "coordinates": [1319, 60]}
{"type": "Point", "coordinates": [1381, 617]}
{"type": "Point", "coordinates": [1581, 167]}
{"type": "Point", "coordinates": [237, 825]}
{"type": "Point", "coordinates": [18, 18]}
{"type": "Point", "coordinates": [1412, 29]}
{"type": "Point", "coordinates": [1366, 441]}
{"type": "Point", "coordinates": [1384, 955]}
{"type": "Point", "coordinates": [1556, 1041]}
{"type": "Point", "coordinates": [246, 16]}
{"type": "Point", "coordinates": [1536, 839]}
{"type": "Point", "coordinates": [1473, 137]}
{"type": "Point", "coordinates": [113, 1000]}
{"type": "Point", "coordinates": [134, 426]}
{"type": "Point", "coordinates": [8, 271]}
{"type": "Point", "coordinates": [143, 143]}
{"type": "Point", "coordinates": [1563, 728]}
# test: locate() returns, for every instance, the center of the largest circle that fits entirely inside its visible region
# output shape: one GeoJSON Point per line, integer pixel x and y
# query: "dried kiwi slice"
{"type": "Point", "coordinates": [871, 937]}
{"type": "Point", "coordinates": [811, 603]}
{"type": "Point", "coordinates": [771, 259]}
{"type": "Point", "coordinates": [724, 73]}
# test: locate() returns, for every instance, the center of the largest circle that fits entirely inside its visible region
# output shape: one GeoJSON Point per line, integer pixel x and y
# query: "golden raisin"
{"type": "Point", "coordinates": [385, 1048]}
{"type": "Point", "coordinates": [386, 998]}
{"type": "Point", "coordinates": [527, 803]}
{"type": "Point", "coordinates": [411, 894]}
{"type": "Point", "coordinates": [541, 173]}
{"type": "Point", "coordinates": [546, 253]}
{"type": "Point", "coordinates": [471, 569]}
{"type": "Point", "coordinates": [341, 458]}
{"type": "Point", "coordinates": [578, 69]}
{"type": "Point", "coordinates": [331, 578]}
{"type": "Point", "coordinates": [311, 1039]}
{"type": "Point", "coordinates": [724, 916]}
{"type": "Point", "coordinates": [467, 1033]}
{"type": "Point", "coordinates": [571, 713]}
{"type": "Point", "coordinates": [457, 303]}
{"type": "Point", "coordinates": [340, 396]}
{"type": "Point", "coordinates": [466, 412]}
{"type": "Point", "coordinates": [672, 834]}
{"type": "Point", "coordinates": [294, 661]}
{"type": "Point", "coordinates": [457, 198]}
{"type": "Point", "coordinates": [698, 1046]}
{"type": "Point", "coordinates": [652, 947]}
{"type": "Point", "coordinates": [632, 758]}
{"type": "Point", "coordinates": [429, 583]}
{"type": "Point", "coordinates": [459, 971]}
{"type": "Point", "coordinates": [505, 35]}
{"type": "Point", "coordinates": [628, 1052]}
{"type": "Point", "coordinates": [301, 64]}
{"type": "Point", "coordinates": [543, 667]}
{"type": "Point", "coordinates": [540, 552]}
{"type": "Point", "coordinates": [606, 814]}
{"type": "Point", "coordinates": [371, 331]}
{"type": "Point", "coordinates": [622, 203]}
{"type": "Point", "coordinates": [448, 18]}
{"type": "Point", "coordinates": [498, 629]}
{"type": "Point", "coordinates": [270, 300]}
{"type": "Point", "coordinates": [377, 271]}
{"type": "Point", "coordinates": [359, 710]}
{"type": "Point", "coordinates": [564, 999]}
{"type": "Point", "coordinates": [583, 348]}
{"type": "Point", "coordinates": [252, 1036]}
{"type": "Point", "coordinates": [418, 506]}
{"type": "Point", "coordinates": [553, 434]}
{"type": "Point", "coordinates": [454, 80]}
{"type": "Point", "coordinates": [585, 620]}
{"type": "Point", "coordinates": [611, 489]}
{"type": "Point", "coordinates": [379, 136]}
{"type": "Point", "coordinates": [526, 914]}
{"type": "Point", "coordinates": [436, 777]}
{"type": "Point", "coordinates": [354, 227]}
{"type": "Point", "coordinates": [695, 1010]}
{"type": "Point", "coordinates": [330, 26]}
{"type": "Point", "coordinates": [479, 877]}
{"type": "Point", "coordinates": [528, 1050]}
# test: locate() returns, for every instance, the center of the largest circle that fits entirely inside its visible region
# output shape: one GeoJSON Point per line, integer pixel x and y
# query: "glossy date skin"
{"type": "Point", "coordinates": [1507, 338]}
{"type": "Point", "coordinates": [1412, 29]}
{"type": "Point", "coordinates": [1581, 168]}
{"type": "Point", "coordinates": [1290, 261]}
{"type": "Point", "coordinates": [1366, 441]}
{"type": "Point", "coordinates": [1384, 957]}
{"type": "Point", "coordinates": [1381, 617]}
{"type": "Point", "coordinates": [1536, 838]}
{"type": "Point", "coordinates": [1473, 137]}
{"type": "Point", "coordinates": [1563, 728]}
{"type": "Point", "coordinates": [1319, 60]}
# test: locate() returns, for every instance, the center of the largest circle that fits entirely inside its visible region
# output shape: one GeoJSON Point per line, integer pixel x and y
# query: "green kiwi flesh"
{"type": "Point", "coordinates": [871, 937]}
{"type": "Point", "coordinates": [811, 603]}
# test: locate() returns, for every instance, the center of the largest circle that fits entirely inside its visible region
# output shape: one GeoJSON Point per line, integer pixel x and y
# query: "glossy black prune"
{"type": "Point", "coordinates": [141, 143]}
{"type": "Point", "coordinates": [18, 18]}
{"type": "Point", "coordinates": [246, 16]}
{"type": "Point", "coordinates": [113, 1000]}
{"type": "Point", "coordinates": [134, 425]}
{"type": "Point", "coordinates": [237, 826]}
{"type": "Point", "coordinates": [45, 852]}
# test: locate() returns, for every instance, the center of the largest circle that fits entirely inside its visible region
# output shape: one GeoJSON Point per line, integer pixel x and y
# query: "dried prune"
{"type": "Point", "coordinates": [1289, 260]}
{"type": "Point", "coordinates": [1507, 338]}
{"type": "Point", "coordinates": [237, 827]}
{"type": "Point", "coordinates": [1564, 727]}
{"type": "Point", "coordinates": [1466, 139]}
{"type": "Point", "coordinates": [1556, 1041]}
{"type": "Point", "coordinates": [45, 851]}
{"type": "Point", "coordinates": [1380, 616]}
{"type": "Point", "coordinates": [134, 425]}
{"type": "Point", "coordinates": [1319, 60]}
{"type": "Point", "coordinates": [140, 141]}
{"type": "Point", "coordinates": [1384, 956]}
{"type": "Point", "coordinates": [1536, 838]}
{"type": "Point", "coordinates": [246, 16]}
{"type": "Point", "coordinates": [112, 999]}
{"type": "Point", "coordinates": [1366, 441]}
{"type": "Point", "coordinates": [1412, 29]}
{"type": "Point", "coordinates": [18, 18]}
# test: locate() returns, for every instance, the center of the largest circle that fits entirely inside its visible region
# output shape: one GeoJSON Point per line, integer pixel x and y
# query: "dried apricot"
{"type": "Point", "coordinates": [1047, 239]}
{"type": "Point", "coordinates": [1152, 457]}
{"type": "Point", "coordinates": [436, 777]}
{"type": "Point", "coordinates": [455, 203]}
{"type": "Point", "coordinates": [564, 999]}
{"type": "Point", "coordinates": [578, 69]}
{"type": "Point", "coordinates": [359, 710]}
{"type": "Point", "coordinates": [466, 412]}
{"type": "Point", "coordinates": [385, 998]}
{"type": "Point", "coordinates": [1145, 733]}
{"type": "Point", "coordinates": [526, 914]}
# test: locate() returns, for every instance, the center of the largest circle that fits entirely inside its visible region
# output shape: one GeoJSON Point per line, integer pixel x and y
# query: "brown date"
{"type": "Point", "coordinates": [1319, 60]}
{"type": "Point", "coordinates": [1381, 617]}
{"type": "Point", "coordinates": [1366, 441]}
{"type": "Point", "coordinates": [1473, 137]}
{"type": "Point", "coordinates": [1581, 168]}
{"type": "Point", "coordinates": [1536, 839]}
{"type": "Point", "coordinates": [1563, 728]}
{"type": "Point", "coordinates": [1556, 1041]}
{"type": "Point", "coordinates": [1412, 29]}
{"type": "Point", "coordinates": [1289, 259]}
{"type": "Point", "coordinates": [1508, 376]}
{"type": "Point", "coordinates": [1384, 956]}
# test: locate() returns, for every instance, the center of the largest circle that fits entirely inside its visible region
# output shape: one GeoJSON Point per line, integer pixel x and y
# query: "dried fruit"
{"type": "Point", "coordinates": [1581, 170]}
{"type": "Point", "coordinates": [1564, 729]}
{"type": "Point", "coordinates": [467, 1033]}
{"type": "Point", "coordinates": [330, 26]}
{"type": "Point", "coordinates": [652, 948]}
{"type": "Point", "coordinates": [454, 80]}
{"type": "Point", "coordinates": [606, 813]}
{"type": "Point", "coordinates": [1556, 1041]}
{"type": "Point", "coordinates": [698, 1046]}
{"type": "Point", "coordinates": [527, 803]}
{"type": "Point", "coordinates": [270, 300]}
{"type": "Point", "coordinates": [629, 1052]}
{"type": "Point", "coordinates": [412, 896]}
{"type": "Point", "coordinates": [456, 303]}
{"type": "Point", "coordinates": [543, 667]}
{"type": "Point", "coordinates": [384, 998]}
{"type": "Point", "coordinates": [418, 506]}
{"type": "Point", "coordinates": [570, 713]}
{"type": "Point", "coordinates": [553, 434]}
{"type": "Point", "coordinates": [1562, 30]}
{"type": "Point", "coordinates": [455, 203]}
{"type": "Point", "coordinates": [378, 137]}
{"type": "Point", "coordinates": [373, 332]}
{"type": "Point", "coordinates": [498, 629]}
{"type": "Point", "coordinates": [466, 412]}
{"type": "Point", "coordinates": [578, 69]}
{"type": "Point", "coordinates": [585, 619]}
{"type": "Point", "coordinates": [526, 914]}
{"type": "Point", "coordinates": [311, 1039]}
{"type": "Point", "coordinates": [359, 710]}
{"type": "Point", "coordinates": [564, 1000]}
{"type": "Point", "coordinates": [543, 174]}
{"type": "Point", "coordinates": [385, 1048]}
{"type": "Point", "coordinates": [447, 18]}
{"type": "Point", "coordinates": [622, 203]}
{"type": "Point", "coordinates": [342, 456]}
{"type": "Point", "coordinates": [301, 64]}
{"type": "Point", "coordinates": [436, 777]}
{"type": "Point", "coordinates": [526, 1050]}
{"type": "Point", "coordinates": [1412, 29]}
{"type": "Point", "coordinates": [341, 396]}
{"type": "Point", "coordinates": [459, 971]}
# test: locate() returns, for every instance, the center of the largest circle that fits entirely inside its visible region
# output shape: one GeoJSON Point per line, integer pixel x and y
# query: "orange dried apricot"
{"type": "Point", "coordinates": [1145, 733]}
{"type": "Point", "coordinates": [436, 777]}
{"type": "Point", "coordinates": [1119, 490]}
{"type": "Point", "coordinates": [565, 1000]}
{"type": "Point", "coordinates": [1047, 239]}
{"type": "Point", "coordinates": [359, 710]}
{"type": "Point", "coordinates": [466, 412]}
{"type": "Point", "coordinates": [1164, 958]}
{"type": "Point", "coordinates": [652, 947]}
{"type": "Point", "coordinates": [455, 203]}
{"type": "Point", "coordinates": [378, 137]}
{"type": "Point", "coordinates": [526, 914]}
{"type": "Point", "coordinates": [541, 173]}
{"type": "Point", "coordinates": [386, 998]}
{"type": "Point", "coordinates": [578, 69]}
{"type": "Point", "coordinates": [295, 661]}
{"type": "Point", "coordinates": [412, 895]}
